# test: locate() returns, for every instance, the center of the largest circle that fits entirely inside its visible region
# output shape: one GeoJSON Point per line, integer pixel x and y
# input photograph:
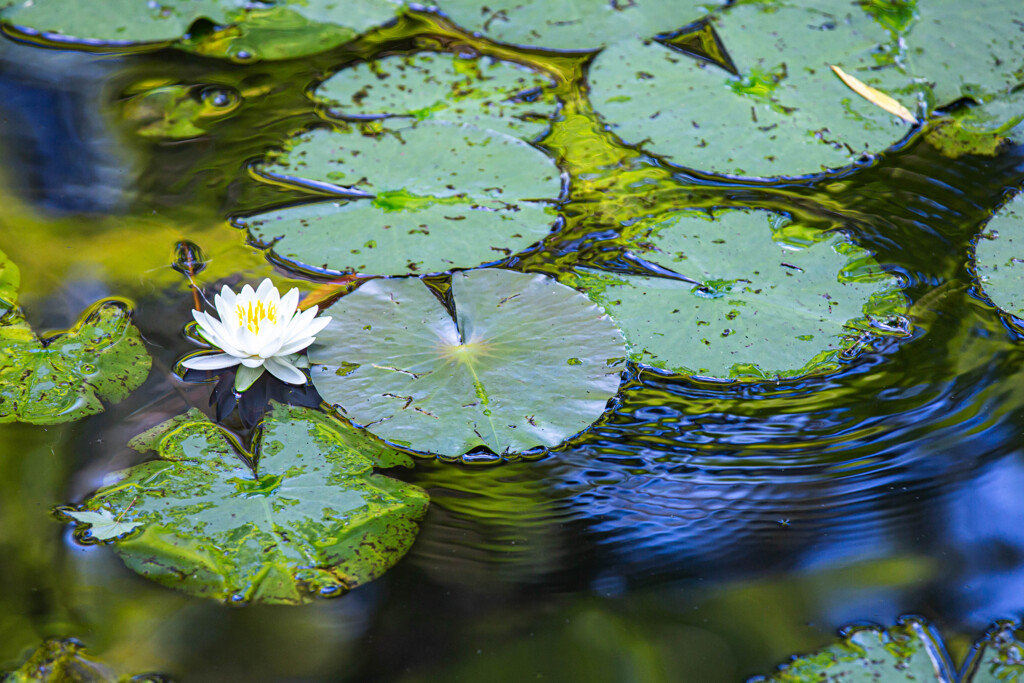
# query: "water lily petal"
{"type": "Point", "coordinates": [295, 346]}
{"type": "Point", "coordinates": [246, 376]}
{"type": "Point", "coordinates": [285, 371]}
{"type": "Point", "coordinates": [225, 309]}
{"type": "Point", "coordinates": [289, 302]}
{"type": "Point", "coordinates": [264, 288]}
{"type": "Point", "coordinates": [217, 361]}
{"type": "Point", "coordinates": [247, 294]}
{"type": "Point", "coordinates": [251, 362]}
{"type": "Point", "coordinates": [214, 332]}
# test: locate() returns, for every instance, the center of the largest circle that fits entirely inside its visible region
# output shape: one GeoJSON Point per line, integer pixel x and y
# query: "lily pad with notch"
{"type": "Point", "coordinates": [422, 199]}
{"type": "Point", "coordinates": [65, 376]}
{"type": "Point", "coordinates": [303, 515]}
{"type": "Point", "coordinates": [281, 29]}
{"type": "Point", "coordinates": [747, 295]}
{"type": "Point", "coordinates": [571, 24]}
{"type": "Point", "coordinates": [508, 361]}
{"type": "Point", "coordinates": [768, 105]}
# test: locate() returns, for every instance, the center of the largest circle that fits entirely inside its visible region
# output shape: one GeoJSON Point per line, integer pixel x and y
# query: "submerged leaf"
{"type": "Point", "coordinates": [524, 362]}
{"type": "Point", "coordinates": [65, 376]}
{"type": "Point", "coordinates": [766, 305]}
{"type": "Point", "coordinates": [60, 660]}
{"type": "Point", "coordinates": [288, 28]}
{"type": "Point", "coordinates": [311, 518]}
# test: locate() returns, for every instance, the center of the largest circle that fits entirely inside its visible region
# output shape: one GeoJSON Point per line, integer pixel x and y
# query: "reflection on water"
{"type": "Point", "coordinates": [702, 531]}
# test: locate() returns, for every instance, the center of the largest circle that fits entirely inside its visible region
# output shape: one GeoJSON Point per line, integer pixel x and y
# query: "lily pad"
{"type": "Point", "coordinates": [781, 112]}
{"type": "Point", "coordinates": [479, 91]}
{"type": "Point", "coordinates": [102, 525]}
{"type": "Point", "coordinates": [309, 518]}
{"type": "Point", "coordinates": [748, 295]}
{"type": "Point", "coordinates": [67, 375]}
{"type": "Point", "coordinates": [519, 361]}
{"type": "Point", "coordinates": [999, 258]}
{"type": "Point", "coordinates": [571, 24]}
{"type": "Point", "coordinates": [424, 199]}
{"type": "Point", "coordinates": [279, 30]}
{"type": "Point", "coordinates": [909, 651]}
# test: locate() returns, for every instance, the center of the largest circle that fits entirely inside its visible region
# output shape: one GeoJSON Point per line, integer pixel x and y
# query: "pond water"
{"type": "Point", "coordinates": [702, 531]}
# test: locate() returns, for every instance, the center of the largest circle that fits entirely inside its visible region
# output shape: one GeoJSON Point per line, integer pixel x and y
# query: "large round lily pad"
{"type": "Point", "coordinates": [67, 375]}
{"type": "Point", "coordinates": [999, 258]}
{"type": "Point", "coordinates": [784, 113]}
{"type": "Point", "coordinates": [571, 24]}
{"type": "Point", "coordinates": [310, 518]}
{"type": "Point", "coordinates": [523, 362]}
{"type": "Point", "coordinates": [765, 307]}
{"type": "Point", "coordinates": [278, 30]}
{"type": "Point", "coordinates": [437, 86]}
{"type": "Point", "coordinates": [437, 196]}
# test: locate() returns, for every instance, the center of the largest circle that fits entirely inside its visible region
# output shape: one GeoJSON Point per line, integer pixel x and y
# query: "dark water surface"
{"type": "Point", "coordinates": [701, 532]}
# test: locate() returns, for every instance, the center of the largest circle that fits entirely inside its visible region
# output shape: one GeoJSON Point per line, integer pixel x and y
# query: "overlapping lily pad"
{"type": "Point", "coordinates": [999, 258]}
{"type": "Point", "coordinates": [784, 113]}
{"type": "Point", "coordinates": [280, 29]}
{"type": "Point", "coordinates": [67, 375]}
{"type": "Point", "coordinates": [437, 196]}
{"type": "Point", "coordinates": [519, 361]}
{"type": "Point", "coordinates": [305, 516]}
{"type": "Point", "coordinates": [775, 299]}
{"type": "Point", "coordinates": [571, 24]}
{"type": "Point", "coordinates": [909, 651]}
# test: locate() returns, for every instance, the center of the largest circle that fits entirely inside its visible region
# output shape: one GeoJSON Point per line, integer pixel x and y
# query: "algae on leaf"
{"type": "Point", "coordinates": [241, 30]}
{"type": "Point", "coordinates": [304, 515]}
{"type": "Point", "coordinates": [518, 361]}
{"type": "Point", "coordinates": [773, 299]}
{"type": "Point", "coordinates": [60, 660]}
{"type": "Point", "coordinates": [67, 375]}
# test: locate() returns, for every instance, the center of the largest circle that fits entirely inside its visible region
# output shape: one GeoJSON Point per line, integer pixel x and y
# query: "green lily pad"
{"type": "Point", "coordinates": [909, 651]}
{"type": "Point", "coordinates": [309, 518]}
{"type": "Point", "coordinates": [279, 30]}
{"type": "Point", "coordinates": [775, 299]}
{"type": "Point", "coordinates": [999, 258]}
{"type": "Point", "coordinates": [102, 525]}
{"type": "Point", "coordinates": [479, 91]}
{"type": "Point", "coordinates": [523, 362]}
{"type": "Point", "coordinates": [67, 375]}
{"type": "Point", "coordinates": [571, 24]}
{"type": "Point", "coordinates": [437, 196]}
{"type": "Point", "coordinates": [785, 113]}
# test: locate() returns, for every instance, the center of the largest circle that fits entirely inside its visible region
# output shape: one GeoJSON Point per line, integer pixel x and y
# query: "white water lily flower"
{"type": "Point", "coordinates": [258, 330]}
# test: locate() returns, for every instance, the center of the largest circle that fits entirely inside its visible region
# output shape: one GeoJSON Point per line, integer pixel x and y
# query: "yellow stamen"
{"type": "Point", "coordinates": [252, 315]}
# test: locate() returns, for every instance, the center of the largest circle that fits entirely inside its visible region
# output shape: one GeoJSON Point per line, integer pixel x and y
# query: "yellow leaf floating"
{"type": "Point", "coordinates": [875, 97]}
